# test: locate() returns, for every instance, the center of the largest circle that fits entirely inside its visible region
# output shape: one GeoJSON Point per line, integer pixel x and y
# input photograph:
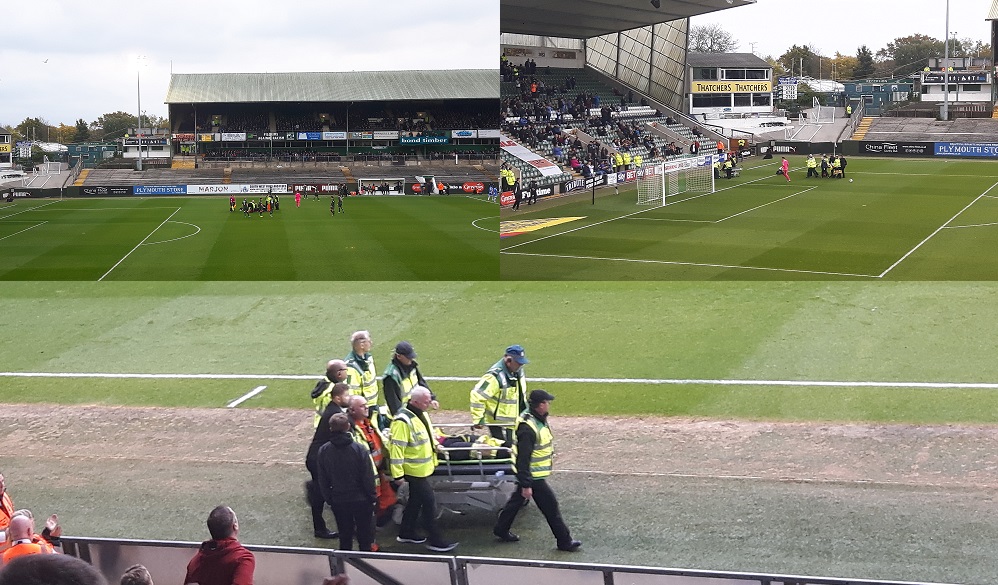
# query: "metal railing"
{"type": "Point", "coordinates": [276, 565]}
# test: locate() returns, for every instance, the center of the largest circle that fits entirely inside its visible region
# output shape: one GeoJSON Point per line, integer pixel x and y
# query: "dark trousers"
{"type": "Point", "coordinates": [420, 509]}
{"type": "Point", "coordinates": [504, 434]}
{"type": "Point", "coordinates": [546, 502]}
{"type": "Point", "coordinates": [812, 171]}
{"type": "Point", "coordinates": [516, 200]}
{"type": "Point", "coordinates": [315, 500]}
{"type": "Point", "coordinates": [355, 518]}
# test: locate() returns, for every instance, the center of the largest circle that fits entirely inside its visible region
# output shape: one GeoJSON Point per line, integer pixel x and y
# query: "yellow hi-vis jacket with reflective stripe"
{"type": "Point", "coordinates": [411, 449]}
{"type": "Point", "coordinates": [498, 396]}
{"type": "Point", "coordinates": [363, 382]}
{"type": "Point", "coordinates": [542, 457]}
{"type": "Point", "coordinates": [321, 399]}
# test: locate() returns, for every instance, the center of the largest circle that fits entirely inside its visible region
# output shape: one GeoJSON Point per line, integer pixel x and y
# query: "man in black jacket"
{"type": "Point", "coordinates": [401, 376]}
{"type": "Point", "coordinates": [346, 479]}
{"type": "Point", "coordinates": [340, 397]}
{"type": "Point", "coordinates": [534, 455]}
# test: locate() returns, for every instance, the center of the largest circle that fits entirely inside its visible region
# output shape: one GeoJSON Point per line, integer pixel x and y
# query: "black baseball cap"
{"type": "Point", "coordinates": [404, 348]}
{"type": "Point", "coordinates": [538, 396]}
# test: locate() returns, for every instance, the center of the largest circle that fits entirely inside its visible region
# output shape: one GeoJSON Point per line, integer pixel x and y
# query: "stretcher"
{"type": "Point", "coordinates": [485, 481]}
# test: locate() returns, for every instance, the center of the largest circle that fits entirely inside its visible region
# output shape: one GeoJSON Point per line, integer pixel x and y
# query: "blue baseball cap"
{"type": "Point", "coordinates": [517, 353]}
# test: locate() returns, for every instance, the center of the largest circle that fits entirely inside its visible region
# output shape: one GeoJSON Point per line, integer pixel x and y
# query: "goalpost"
{"type": "Point", "coordinates": [658, 181]}
{"type": "Point", "coordinates": [822, 114]}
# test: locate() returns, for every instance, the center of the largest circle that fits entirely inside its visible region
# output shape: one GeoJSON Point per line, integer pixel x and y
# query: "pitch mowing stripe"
{"type": "Point", "coordinates": [939, 229]}
{"type": "Point", "coordinates": [24, 230]}
{"type": "Point", "coordinates": [653, 381]}
{"type": "Point", "coordinates": [139, 244]}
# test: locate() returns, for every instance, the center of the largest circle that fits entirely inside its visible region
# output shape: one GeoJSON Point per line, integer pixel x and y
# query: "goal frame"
{"type": "Point", "coordinates": [658, 181]}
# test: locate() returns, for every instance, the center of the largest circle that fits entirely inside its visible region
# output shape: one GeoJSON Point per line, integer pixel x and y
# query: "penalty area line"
{"type": "Point", "coordinates": [246, 397]}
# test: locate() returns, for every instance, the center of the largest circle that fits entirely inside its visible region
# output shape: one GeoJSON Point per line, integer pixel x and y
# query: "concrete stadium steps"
{"type": "Point", "coordinates": [82, 178]}
{"type": "Point", "coordinates": [932, 130]}
{"type": "Point", "coordinates": [994, 112]}
{"type": "Point", "coordinates": [127, 177]}
{"type": "Point", "coordinates": [183, 163]}
{"type": "Point", "coordinates": [862, 128]}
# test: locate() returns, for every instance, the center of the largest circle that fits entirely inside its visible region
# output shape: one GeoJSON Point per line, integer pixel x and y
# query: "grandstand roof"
{"type": "Point", "coordinates": [726, 60]}
{"type": "Point", "coordinates": [353, 86]}
{"type": "Point", "coordinates": [993, 13]}
{"type": "Point", "coordinates": [582, 19]}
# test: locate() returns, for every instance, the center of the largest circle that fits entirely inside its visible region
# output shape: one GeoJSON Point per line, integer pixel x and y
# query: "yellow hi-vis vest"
{"type": "Point", "coordinates": [411, 449]}
{"type": "Point", "coordinates": [405, 384]}
{"type": "Point", "coordinates": [362, 382]}
{"type": "Point", "coordinates": [321, 402]}
{"type": "Point", "coordinates": [497, 396]}
{"type": "Point", "coordinates": [812, 163]}
{"type": "Point", "coordinates": [542, 457]}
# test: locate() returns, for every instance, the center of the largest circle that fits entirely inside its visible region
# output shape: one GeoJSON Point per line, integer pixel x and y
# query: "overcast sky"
{"type": "Point", "coordinates": [843, 26]}
{"type": "Point", "coordinates": [91, 47]}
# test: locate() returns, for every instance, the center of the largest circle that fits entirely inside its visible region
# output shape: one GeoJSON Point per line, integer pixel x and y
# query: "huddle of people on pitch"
{"type": "Point", "coordinates": [372, 439]}
{"type": "Point", "coordinates": [833, 166]}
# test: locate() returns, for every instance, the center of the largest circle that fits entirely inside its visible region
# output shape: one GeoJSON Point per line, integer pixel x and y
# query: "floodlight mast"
{"type": "Point", "coordinates": [945, 112]}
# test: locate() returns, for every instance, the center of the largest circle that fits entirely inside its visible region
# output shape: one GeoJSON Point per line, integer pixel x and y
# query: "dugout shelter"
{"type": "Point", "coordinates": [302, 116]}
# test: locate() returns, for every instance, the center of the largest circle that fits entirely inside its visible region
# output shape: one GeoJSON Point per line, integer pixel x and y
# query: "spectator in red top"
{"type": "Point", "coordinates": [222, 560]}
{"type": "Point", "coordinates": [6, 508]}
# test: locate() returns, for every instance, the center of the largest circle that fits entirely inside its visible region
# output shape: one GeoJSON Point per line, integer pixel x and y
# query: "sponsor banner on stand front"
{"type": "Point", "coordinates": [322, 188]}
{"type": "Point", "coordinates": [309, 136]}
{"type": "Point", "coordinates": [259, 188]}
{"type": "Point", "coordinates": [424, 140]}
{"type": "Point", "coordinates": [473, 187]}
{"type": "Point", "coordinates": [361, 135]}
{"type": "Point", "coordinates": [233, 136]}
{"type": "Point", "coordinates": [334, 135]}
{"type": "Point", "coordinates": [488, 133]}
{"type": "Point", "coordinates": [464, 134]}
{"type": "Point", "coordinates": [159, 190]}
{"type": "Point", "coordinates": [386, 134]}
{"type": "Point", "coordinates": [896, 148]}
{"type": "Point", "coordinates": [513, 148]}
{"type": "Point", "coordinates": [981, 150]}
{"type": "Point", "coordinates": [506, 198]}
{"type": "Point", "coordinates": [105, 191]}
{"type": "Point", "coordinates": [588, 184]}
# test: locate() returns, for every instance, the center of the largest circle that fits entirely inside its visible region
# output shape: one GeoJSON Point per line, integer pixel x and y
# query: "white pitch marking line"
{"type": "Point", "coordinates": [24, 230]}
{"type": "Point", "coordinates": [28, 209]}
{"type": "Point", "coordinates": [939, 229]}
{"type": "Point", "coordinates": [181, 237]}
{"type": "Point", "coordinates": [246, 397]}
{"type": "Point", "coordinates": [655, 381]}
{"type": "Point", "coordinates": [139, 244]}
{"type": "Point", "coordinates": [475, 224]}
{"type": "Point", "coordinates": [688, 264]}
{"type": "Point", "coordinates": [765, 204]}
{"type": "Point", "coordinates": [953, 227]}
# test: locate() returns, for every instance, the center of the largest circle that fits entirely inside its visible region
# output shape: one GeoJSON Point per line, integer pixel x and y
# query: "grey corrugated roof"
{"type": "Point", "coordinates": [725, 60]}
{"type": "Point", "coordinates": [353, 86]}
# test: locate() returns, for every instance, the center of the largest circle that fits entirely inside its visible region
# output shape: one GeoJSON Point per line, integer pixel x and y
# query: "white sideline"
{"type": "Point", "coordinates": [656, 381]}
{"type": "Point", "coordinates": [246, 397]}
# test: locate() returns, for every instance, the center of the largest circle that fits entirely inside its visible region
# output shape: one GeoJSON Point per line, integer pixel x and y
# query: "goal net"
{"type": "Point", "coordinates": [658, 181]}
{"type": "Point", "coordinates": [822, 114]}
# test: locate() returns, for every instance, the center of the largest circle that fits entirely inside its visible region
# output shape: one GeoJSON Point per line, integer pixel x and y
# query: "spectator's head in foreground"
{"type": "Point", "coordinates": [49, 570]}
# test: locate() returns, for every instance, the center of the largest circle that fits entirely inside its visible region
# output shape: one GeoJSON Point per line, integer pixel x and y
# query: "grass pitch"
{"type": "Point", "coordinates": [582, 338]}
{"type": "Point", "coordinates": [898, 220]}
{"type": "Point", "coordinates": [170, 239]}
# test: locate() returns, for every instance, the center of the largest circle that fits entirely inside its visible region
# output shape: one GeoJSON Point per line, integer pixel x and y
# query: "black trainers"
{"type": "Point", "coordinates": [507, 537]}
{"type": "Point", "coordinates": [410, 539]}
{"type": "Point", "coordinates": [442, 546]}
{"type": "Point", "coordinates": [327, 534]}
{"type": "Point", "coordinates": [571, 546]}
